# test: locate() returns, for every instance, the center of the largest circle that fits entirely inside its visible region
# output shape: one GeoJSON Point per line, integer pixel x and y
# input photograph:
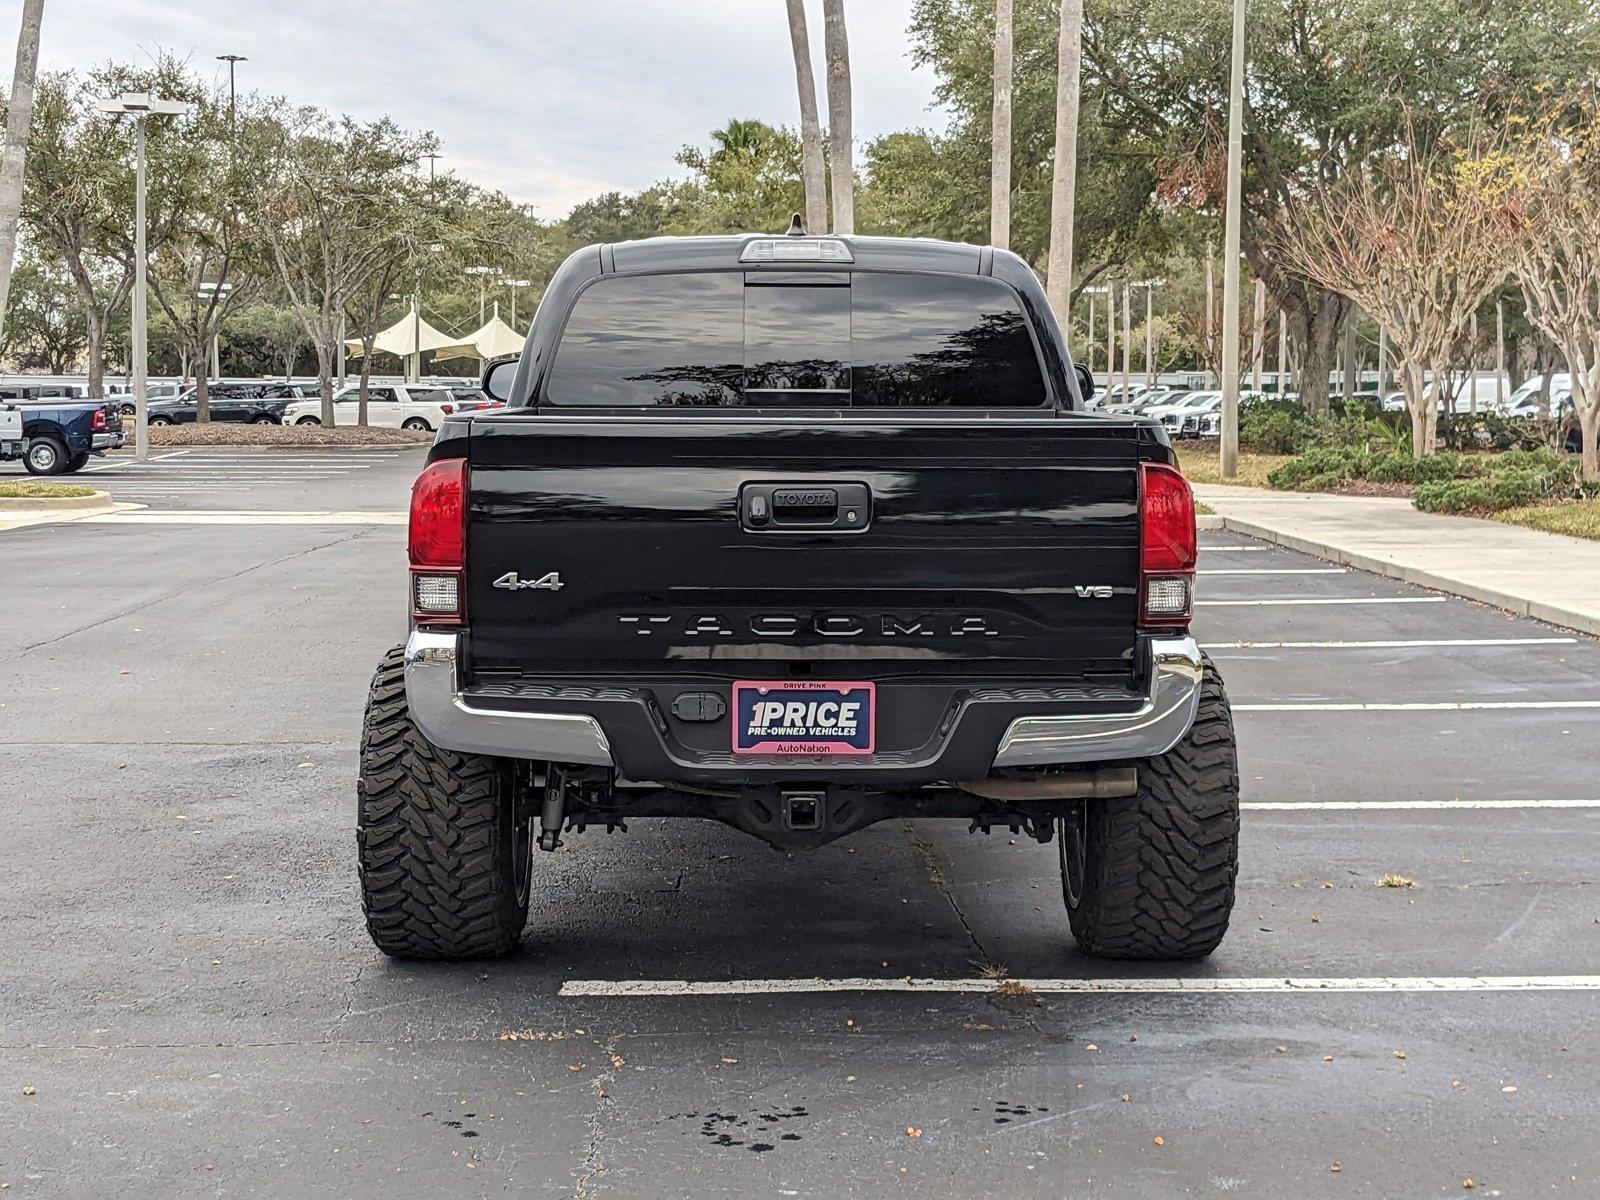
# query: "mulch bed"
{"type": "Point", "coordinates": [232, 434]}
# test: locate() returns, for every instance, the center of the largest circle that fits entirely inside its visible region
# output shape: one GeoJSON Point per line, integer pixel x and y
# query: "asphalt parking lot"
{"type": "Point", "coordinates": [189, 1004]}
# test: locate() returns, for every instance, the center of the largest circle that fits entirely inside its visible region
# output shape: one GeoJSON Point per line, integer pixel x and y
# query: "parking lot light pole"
{"type": "Point", "coordinates": [514, 284]}
{"type": "Point", "coordinates": [1149, 286]}
{"type": "Point", "coordinates": [210, 291]}
{"type": "Point", "coordinates": [483, 283]}
{"type": "Point", "coordinates": [140, 105]}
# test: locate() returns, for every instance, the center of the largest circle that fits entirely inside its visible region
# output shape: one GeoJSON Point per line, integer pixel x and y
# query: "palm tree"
{"type": "Point", "coordinates": [813, 173]}
{"type": "Point", "coordinates": [741, 139]}
{"type": "Point", "coordinates": [836, 47]}
{"type": "Point", "coordinates": [1000, 143]}
{"type": "Point", "coordinates": [19, 120]}
{"type": "Point", "coordinates": [1064, 177]}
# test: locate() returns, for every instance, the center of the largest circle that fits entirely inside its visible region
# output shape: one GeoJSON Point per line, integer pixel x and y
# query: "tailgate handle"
{"type": "Point", "coordinates": [805, 506]}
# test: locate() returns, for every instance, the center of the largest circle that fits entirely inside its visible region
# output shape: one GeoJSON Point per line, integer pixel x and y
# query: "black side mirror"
{"type": "Point", "coordinates": [1085, 381]}
{"type": "Point", "coordinates": [498, 377]}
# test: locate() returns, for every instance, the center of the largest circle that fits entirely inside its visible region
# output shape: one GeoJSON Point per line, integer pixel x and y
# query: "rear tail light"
{"type": "Point", "coordinates": [447, 409]}
{"type": "Point", "coordinates": [97, 423]}
{"type": "Point", "coordinates": [1167, 547]}
{"type": "Point", "coordinates": [437, 545]}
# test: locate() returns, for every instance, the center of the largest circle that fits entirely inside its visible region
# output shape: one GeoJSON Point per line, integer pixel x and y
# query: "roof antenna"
{"type": "Point", "coordinates": [796, 229]}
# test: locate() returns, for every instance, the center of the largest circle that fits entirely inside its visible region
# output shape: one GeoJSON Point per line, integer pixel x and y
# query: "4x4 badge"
{"type": "Point", "coordinates": [549, 583]}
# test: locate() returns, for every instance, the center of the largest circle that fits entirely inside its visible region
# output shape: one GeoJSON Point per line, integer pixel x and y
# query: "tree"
{"type": "Point", "coordinates": [1558, 258]}
{"type": "Point", "coordinates": [812, 169]}
{"type": "Point", "coordinates": [1000, 144]}
{"type": "Point", "coordinates": [212, 261]}
{"type": "Point", "coordinates": [1331, 86]}
{"type": "Point", "coordinates": [46, 323]}
{"type": "Point", "coordinates": [19, 120]}
{"type": "Point", "coordinates": [752, 180]}
{"type": "Point", "coordinates": [77, 195]}
{"type": "Point", "coordinates": [841, 152]}
{"type": "Point", "coordinates": [1418, 239]}
{"type": "Point", "coordinates": [1064, 173]}
{"type": "Point", "coordinates": [937, 184]}
{"type": "Point", "coordinates": [330, 191]}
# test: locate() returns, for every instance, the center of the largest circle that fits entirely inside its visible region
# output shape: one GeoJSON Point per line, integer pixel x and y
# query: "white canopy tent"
{"type": "Point", "coordinates": [495, 339]}
{"type": "Point", "coordinates": [408, 337]}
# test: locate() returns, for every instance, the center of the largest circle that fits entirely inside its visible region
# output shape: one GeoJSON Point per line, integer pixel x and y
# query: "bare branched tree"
{"type": "Point", "coordinates": [1417, 239]}
{"type": "Point", "coordinates": [1558, 261]}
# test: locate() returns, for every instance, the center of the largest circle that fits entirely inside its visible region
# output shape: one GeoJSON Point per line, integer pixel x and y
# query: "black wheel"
{"type": "Point", "coordinates": [444, 860]}
{"type": "Point", "coordinates": [308, 421]}
{"type": "Point", "coordinates": [158, 420]}
{"type": "Point", "coordinates": [415, 423]}
{"type": "Point", "coordinates": [264, 419]}
{"type": "Point", "coordinates": [46, 456]}
{"type": "Point", "coordinates": [1151, 876]}
{"type": "Point", "coordinates": [77, 462]}
{"type": "Point", "coordinates": [129, 410]}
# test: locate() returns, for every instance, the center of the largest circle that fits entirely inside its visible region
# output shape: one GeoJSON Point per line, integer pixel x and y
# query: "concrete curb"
{"type": "Point", "coordinates": [1522, 606]}
{"type": "Point", "coordinates": [1209, 521]}
{"type": "Point", "coordinates": [37, 504]}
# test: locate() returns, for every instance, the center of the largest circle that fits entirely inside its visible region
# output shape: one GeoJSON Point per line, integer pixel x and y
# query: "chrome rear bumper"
{"type": "Point", "coordinates": [441, 711]}
{"type": "Point", "coordinates": [1158, 726]}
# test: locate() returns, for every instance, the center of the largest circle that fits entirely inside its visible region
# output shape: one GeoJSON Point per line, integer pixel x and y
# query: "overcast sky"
{"type": "Point", "coordinates": [552, 101]}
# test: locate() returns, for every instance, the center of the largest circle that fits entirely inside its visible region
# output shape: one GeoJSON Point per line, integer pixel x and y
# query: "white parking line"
{"type": "Point", "coordinates": [1279, 571]}
{"type": "Point", "coordinates": [1429, 706]}
{"type": "Point", "coordinates": [225, 517]}
{"type": "Point", "coordinates": [1406, 805]}
{"type": "Point", "coordinates": [770, 987]}
{"type": "Point", "coordinates": [1224, 647]}
{"type": "Point", "coordinates": [1329, 600]}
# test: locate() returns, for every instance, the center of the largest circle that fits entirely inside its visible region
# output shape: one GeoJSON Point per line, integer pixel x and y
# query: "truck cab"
{"type": "Point", "coordinates": [801, 534]}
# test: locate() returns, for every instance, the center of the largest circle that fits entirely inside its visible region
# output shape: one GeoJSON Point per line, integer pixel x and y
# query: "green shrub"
{"type": "Point", "coordinates": [1319, 467]}
{"type": "Point", "coordinates": [1338, 429]}
{"type": "Point", "coordinates": [1365, 407]}
{"type": "Point", "coordinates": [1490, 431]}
{"type": "Point", "coordinates": [1271, 430]}
{"type": "Point", "coordinates": [1506, 489]}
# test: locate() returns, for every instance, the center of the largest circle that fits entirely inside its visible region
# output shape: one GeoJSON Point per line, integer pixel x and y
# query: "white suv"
{"type": "Point", "coordinates": [389, 406]}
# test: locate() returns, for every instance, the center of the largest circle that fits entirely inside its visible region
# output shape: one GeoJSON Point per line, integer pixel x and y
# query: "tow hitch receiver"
{"type": "Point", "coordinates": [802, 811]}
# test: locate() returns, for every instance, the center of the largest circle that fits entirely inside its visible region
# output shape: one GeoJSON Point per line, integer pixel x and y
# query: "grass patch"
{"type": "Point", "coordinates": [1204, 510]}
{"type": "Point", "coordinates": [1199, 465]}
{"type": "Point", "coordinates": [29, 489]}
{"type": "Point", "coordinates": [228, 433]}
{"type": "Point", "coordinates": [1580, 518]}
{"type": "Point", "coordinates": [1396, 881]}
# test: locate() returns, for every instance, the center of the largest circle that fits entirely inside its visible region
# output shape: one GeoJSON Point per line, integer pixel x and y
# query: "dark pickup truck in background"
{"type": "Point", "coordinates": [55, 437]}
{"type": "Point", "coordinates": [798, 534]}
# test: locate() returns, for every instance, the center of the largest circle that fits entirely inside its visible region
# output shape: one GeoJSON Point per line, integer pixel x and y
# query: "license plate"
{"type": "Point", "coordinates": [803, 717]}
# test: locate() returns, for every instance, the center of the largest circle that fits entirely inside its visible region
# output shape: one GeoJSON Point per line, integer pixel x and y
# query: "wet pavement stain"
{"type": "Point", "coordinates": [721, 1128]}
{"type": "Point", "coordinates": [1005, 1110]}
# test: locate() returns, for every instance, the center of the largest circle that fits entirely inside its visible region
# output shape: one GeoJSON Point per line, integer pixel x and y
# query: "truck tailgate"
{"type": "Point", "coordinates": [775, 547]}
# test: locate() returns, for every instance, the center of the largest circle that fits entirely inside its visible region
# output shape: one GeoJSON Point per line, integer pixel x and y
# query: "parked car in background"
{"type": "Point", "coordinates": [408, 406]}
{"type": "Point", "coordinates": [239, 403]}
{"type": "Point", "coordinates": [1170, 414]}
{"type": "Point", "coordinates": [57, 436]}
{"type": "Point", "coordinates": [40, 391]}
{"type": "Point", "coordinates": [123, 396]}
{"type": "Point", "coordinates": [1119, 398]}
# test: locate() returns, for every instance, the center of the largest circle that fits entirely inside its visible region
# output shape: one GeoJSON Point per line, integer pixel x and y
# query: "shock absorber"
{"type": "Point", "coordinates": [553, 814]}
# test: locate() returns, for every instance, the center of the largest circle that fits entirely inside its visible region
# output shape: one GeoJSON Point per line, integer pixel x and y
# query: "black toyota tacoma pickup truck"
{"type": "Point", "coordinates": [798, 534]}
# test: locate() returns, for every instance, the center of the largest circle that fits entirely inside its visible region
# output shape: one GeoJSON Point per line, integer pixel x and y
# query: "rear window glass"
{"type": "Point", "coordinates": [824, 339]}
